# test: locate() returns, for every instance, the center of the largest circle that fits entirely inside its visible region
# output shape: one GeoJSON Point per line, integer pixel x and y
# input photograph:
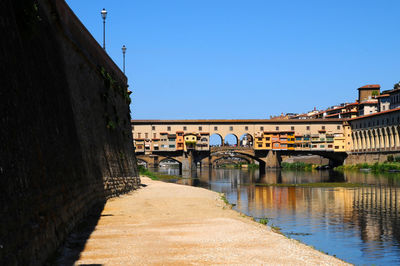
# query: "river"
{"type": "Point", "coordinates": [360, 225]}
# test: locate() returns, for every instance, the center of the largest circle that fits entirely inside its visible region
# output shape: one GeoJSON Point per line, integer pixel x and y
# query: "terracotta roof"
{"type": "Point", "coordinates": [369, 102]}
{"type": "Point", "coordinates": [190, 134]}
{"type": "Point", "coordinates": [375, 114]}
{"type": "Point", "coordinates": [232, 121]}
{"type": "Point", "coordinates": [335, 114]}
{"type": "Point", "coordinates": [383, 95]}
{"type": "Point", "coordinates": [372, 86]}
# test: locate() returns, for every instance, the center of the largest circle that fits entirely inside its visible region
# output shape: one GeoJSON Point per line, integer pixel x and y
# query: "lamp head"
{"type": "Point", "coordinates": [104, 13]}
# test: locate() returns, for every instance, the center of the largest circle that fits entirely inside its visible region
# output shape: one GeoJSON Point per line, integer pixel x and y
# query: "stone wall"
{"type": "Point", "coordinates": [371, 158]}
{"type": "Point", "coordinates": [65, 141]}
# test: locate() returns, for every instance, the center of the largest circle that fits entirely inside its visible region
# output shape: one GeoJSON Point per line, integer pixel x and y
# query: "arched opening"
{"type": "Point", "coordinates": [142, 163]}
{"type": "Point", "coordinates": [230, 161]}
{"type": "Point", "coordinates": [246, 140]}
{"type": "Point", "coordinates": [231, 140]}
{"type": "Point", "coordinates": [216, 140]}
{"type": "Point", "coordinates": [170, 166]}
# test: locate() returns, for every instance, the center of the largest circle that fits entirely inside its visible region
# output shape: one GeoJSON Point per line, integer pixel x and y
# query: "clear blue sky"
{"type": "Point", "coordinates": [247, 59]}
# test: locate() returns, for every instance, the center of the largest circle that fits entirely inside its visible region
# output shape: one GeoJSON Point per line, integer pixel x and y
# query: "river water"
{"type": "Point", "coordinates": [360, 225]}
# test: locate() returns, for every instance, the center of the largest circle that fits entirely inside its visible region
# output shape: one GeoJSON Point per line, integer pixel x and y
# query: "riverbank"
{"type": "Point", "coordinates": [164, 223]}
{"type": "Point", "coordinates": [376, 167]}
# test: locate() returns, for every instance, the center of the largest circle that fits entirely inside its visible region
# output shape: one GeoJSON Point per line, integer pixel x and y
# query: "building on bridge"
{"type": "Point", "coordinates": [183, 135]}
{"type": "Point", "coordinates": [269, 139]}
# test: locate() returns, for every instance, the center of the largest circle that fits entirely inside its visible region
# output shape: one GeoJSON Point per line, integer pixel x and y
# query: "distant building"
{"type": "Point", "coordinates": [383, 102]}
{"type": "Point", "coordinates": [368, 107]}
{"type": "Point", "coordinates": [395, 96]}
{"type": "Point", "coordinates": [368, 92]}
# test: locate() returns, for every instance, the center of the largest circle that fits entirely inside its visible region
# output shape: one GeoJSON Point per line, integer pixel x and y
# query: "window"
{"type": "Point", "coordinates": [261, 128]}
{"type": "Point", "coordinates": [267, 138]}
{"type": "Point", "coordinates": [277, 128]}
{"type": "Point", "coordinates": [215, 128]}
{"type": "Point", "coordinates": [138, 135]}
{"type": "Point", "coordinates": [146, 135]}
{"type": "Point", "coordinates": [154, 135]}
{"type": "Point", "coordinates": [153, 128]}
{"type": "Point", "coordinates": [200, 128]}
{"type": "Point", "coordinates": [231, 128]}
{"type": "Point", "coordinates": [323, 127]}
{"type": "Point", "coordinates": [292, 128]}
{"type": "Point", "coordinates": [172, 146]}
{"type": "Point", "coordinates": [184, 128]}
{"type": "Point", "coordinates": [338, 127]}
{"type": "Point", "coordinates": [329, 146]}
{"type": "Point", "coordinates": [168, 128]}
{"type": "Point", "coordinates": [336, 147]}
{"type": "Point", "coordinates": [267, 145]}
{"type": "Point", "coordinates": [133, 127]}
{"type": "Point", "coordinates": [259, 145]}
{"type": "Point", "coordinates": [246, 128]}
{"type": "Point", "coordinates": [308, 128]}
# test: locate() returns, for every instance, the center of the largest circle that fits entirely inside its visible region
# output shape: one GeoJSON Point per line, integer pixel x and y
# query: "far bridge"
{"type": "Point", "coordinates": [190, 142]}
{"type": "Point", "coordinates": [266, 158]}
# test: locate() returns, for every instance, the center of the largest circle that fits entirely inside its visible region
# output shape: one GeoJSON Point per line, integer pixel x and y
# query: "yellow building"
{"type": "Point", "coordinates": [290, 141]}
{"type": "Point", "coordinates": [263, 141]}
{"type": "Point", "coordinates": [190, 140]}
{"type": "Point", "coordinates": [339, 143]}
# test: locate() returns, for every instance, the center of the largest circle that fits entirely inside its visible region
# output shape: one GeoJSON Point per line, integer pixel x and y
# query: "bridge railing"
{"type": "Point", "coordinates": [229, 148]}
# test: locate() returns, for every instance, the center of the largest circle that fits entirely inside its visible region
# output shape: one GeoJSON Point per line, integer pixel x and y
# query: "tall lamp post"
{"type": "Point", "coordinates": [123, 56]}
{"type": "Point", "coordinates": [104, 15]}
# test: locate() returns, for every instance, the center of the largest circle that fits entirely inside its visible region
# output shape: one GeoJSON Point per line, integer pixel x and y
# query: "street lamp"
{"type": "Point", "coordinates": [104, 15]}
{"type": "Point", "coordinates": [123, 55]}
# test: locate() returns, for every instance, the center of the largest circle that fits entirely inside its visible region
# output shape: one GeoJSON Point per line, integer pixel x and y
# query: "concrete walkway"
{"type": "Point", "coordinates": [169, 224]}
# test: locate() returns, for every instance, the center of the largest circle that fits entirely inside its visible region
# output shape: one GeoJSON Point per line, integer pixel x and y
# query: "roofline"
{"type": "Point", "coordinates": [236, 121]}
{"type": "Point", "coordinates": [375, 114]}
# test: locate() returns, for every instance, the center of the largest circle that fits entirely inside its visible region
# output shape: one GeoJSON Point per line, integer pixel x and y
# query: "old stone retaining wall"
{"type": "Point", "coordinates": [371, 158]}
{"type": "Point", "coordinates": [65, 141]}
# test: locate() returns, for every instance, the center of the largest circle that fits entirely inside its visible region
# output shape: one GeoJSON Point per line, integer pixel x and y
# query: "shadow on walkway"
{"type": "Point", "coordinates": [70, 251]}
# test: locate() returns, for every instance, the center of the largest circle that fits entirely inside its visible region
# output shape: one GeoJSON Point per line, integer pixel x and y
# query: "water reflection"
{"type": "Point", "coordinates": [360, 225]}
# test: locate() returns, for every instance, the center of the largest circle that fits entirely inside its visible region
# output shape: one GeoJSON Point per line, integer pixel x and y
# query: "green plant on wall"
{"type": "Point", "coordinates": [111, 83]}
{"type": "Point", "coordinates": [111, 125]}
{"type": "Point", "coordinates": [375, 93]}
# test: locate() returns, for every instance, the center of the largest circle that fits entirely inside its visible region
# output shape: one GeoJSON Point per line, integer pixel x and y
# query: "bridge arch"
{"type": "Point", "coordinates": [215, 159]}
{"type": "Point", "coordinates": [216, 140]}
{"type": "Point", "coordinates": [246, 140]}
{"type": "Point", "coordinates": [162, 159]}
{"type": "Point", "coordinates": [231, 140]}
{"type": "Point", "coordinates": [142, 162]}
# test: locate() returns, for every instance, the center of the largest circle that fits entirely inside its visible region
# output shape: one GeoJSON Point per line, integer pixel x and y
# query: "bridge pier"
{"type": "Point", "coordinates": [189, 161]}
{"type": "Point", "coordinates": [273, 159]}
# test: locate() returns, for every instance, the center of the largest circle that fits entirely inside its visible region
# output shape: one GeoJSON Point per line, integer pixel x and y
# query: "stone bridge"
{"type": "Point", "coordinates": [265, 158]}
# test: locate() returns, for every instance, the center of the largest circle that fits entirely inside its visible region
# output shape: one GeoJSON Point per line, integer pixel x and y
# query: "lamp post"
{"type": "Point", "coordinates": [104, 15]}
{"type": "Point", "coordinates": [123, 56]}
